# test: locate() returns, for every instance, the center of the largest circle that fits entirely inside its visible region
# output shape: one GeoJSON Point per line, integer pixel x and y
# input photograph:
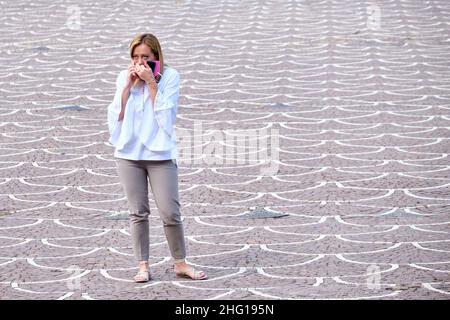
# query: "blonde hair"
{"type": "Point", "coordinates": [153, 43]}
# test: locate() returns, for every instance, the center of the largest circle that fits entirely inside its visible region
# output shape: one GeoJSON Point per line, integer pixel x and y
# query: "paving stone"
{"type": "Point", "coordinates": [356, 119]}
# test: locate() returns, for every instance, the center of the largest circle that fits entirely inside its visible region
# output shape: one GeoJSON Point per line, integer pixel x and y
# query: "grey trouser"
{"type": "Point", "coordinates": [163, 178]}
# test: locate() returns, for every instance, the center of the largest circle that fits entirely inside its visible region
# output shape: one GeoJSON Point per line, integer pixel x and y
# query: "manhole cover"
{"type": "Point", "coordinates": [261, 213]}
{"type": "Point", "coordinates": [41, 49]}
{"type": "Point", "coordinates": [279, 105]}
{"type": "Point", "coordinates": [73, 108]}
{"type": "Point", "coordinates": [5, 213]}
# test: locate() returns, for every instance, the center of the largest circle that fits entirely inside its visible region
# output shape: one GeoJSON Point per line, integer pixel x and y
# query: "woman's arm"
{"type": "Point", "coordinates": [125, 96]}
{"type": "Point", "coordinates": [115, 109]}
{"type": "Point", "coordinates": [153, 90]}
{"type": "Point", "coordinates": [131, 77]}
{"type": "Point", "coordinates": [165, 110]}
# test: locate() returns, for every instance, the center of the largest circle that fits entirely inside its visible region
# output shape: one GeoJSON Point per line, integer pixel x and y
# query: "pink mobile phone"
{"type": "Point", "coordinates": [155, 66]}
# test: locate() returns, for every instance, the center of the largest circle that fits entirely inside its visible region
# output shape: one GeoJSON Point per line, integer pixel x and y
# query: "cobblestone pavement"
{"type": "Point", "coordinates": [357, 97]}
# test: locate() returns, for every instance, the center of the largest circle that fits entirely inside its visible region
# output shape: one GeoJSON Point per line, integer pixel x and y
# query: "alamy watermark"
{"type": "Point", "coordinates": [259, 147]}
{"type": "Point", "coordinates": [73, 21]}
{"type": "Point", "coordinates": [374, 17]}
{"type": "Point", "coordinates": [73, 282]}
{"type": "Point", "coordinates": [373, 280]}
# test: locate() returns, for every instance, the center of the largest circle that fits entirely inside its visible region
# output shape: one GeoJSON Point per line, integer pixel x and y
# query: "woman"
{"type": "Point", "coordinates": [141, 122]}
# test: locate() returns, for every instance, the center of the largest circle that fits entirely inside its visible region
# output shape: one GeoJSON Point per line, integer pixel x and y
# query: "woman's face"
{"type": "Point", "coordinates": [142, 52]}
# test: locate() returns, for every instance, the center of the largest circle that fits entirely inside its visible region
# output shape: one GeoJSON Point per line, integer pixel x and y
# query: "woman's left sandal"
{"type": "Point", "coordinates": [194, 274]}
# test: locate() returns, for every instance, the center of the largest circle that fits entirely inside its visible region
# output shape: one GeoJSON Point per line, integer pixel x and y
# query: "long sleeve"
{"type": "Point", "coordinates": [165, 112]}
{"type": "Point", "coordinates": [115, 126]}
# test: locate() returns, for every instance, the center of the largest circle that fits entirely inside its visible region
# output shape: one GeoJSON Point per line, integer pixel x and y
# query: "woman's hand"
{"type": "Point", "coordinates": [132, 75]}
{"type": "Point", "coordinates": [145, 73]}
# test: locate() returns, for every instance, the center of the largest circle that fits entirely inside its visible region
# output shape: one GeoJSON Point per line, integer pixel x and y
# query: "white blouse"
{"type": "Point", "coordinates": [146, 132]}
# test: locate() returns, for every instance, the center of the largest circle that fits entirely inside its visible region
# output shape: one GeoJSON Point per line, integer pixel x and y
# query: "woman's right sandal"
{"type": "Point", "coordinates": [142, 276]}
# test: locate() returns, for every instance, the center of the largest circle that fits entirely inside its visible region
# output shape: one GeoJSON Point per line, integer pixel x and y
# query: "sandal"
{"type": "Point", "coordinates": [193, 274]}
{"type": "Point", "coordinates": [142, 276]}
